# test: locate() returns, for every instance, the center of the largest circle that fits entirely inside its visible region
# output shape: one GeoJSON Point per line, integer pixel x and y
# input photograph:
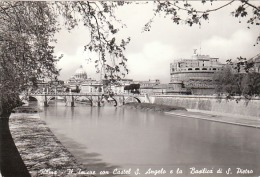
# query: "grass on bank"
{"type": "Point", "coordinates": [154, 107]}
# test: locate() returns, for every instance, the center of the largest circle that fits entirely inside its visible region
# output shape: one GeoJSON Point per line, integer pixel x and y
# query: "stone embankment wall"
{"type": "Point", "coordinates": [211, 103]}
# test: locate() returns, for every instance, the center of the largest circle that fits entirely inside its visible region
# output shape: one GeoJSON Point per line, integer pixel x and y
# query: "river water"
{"type": "Point", "coordinates": [115, 138]}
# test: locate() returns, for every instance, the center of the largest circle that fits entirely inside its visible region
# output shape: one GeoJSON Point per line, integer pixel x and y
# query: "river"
{"type": "Point", "coordinates": [112, 138]}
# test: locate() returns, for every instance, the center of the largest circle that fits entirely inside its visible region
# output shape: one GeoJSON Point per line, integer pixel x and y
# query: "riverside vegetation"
{"type": "Point", "coordinates": [154, 107]}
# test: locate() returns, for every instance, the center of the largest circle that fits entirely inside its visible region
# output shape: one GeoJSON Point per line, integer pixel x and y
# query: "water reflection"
{"type": "Point", "coordinates": [117, 137]}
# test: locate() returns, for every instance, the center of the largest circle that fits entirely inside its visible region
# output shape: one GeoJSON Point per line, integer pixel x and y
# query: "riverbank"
{"type": "Point", "coordinates": [41, 151]}
{"type": "Point", "coordinates": [154, 107]}
{"type": "Point", "coordinates": [26, 109]}
{"type": "Point", "coordinates": [204, 115]}
{"type": "Point", "coordinates": [216, 117]}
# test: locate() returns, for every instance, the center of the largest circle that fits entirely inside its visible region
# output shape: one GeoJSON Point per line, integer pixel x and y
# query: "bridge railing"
{"type": "Point", "coordinates": [65, 94]}
{"type": "Point", "coordinates": [85, 94]}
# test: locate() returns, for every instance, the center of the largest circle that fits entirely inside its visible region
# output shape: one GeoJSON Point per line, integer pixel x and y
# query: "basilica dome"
{"type": "Point", "coordinates": [80, 73]}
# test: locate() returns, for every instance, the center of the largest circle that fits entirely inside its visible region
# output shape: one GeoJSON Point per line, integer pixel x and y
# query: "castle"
{"type": "Point", "coordinates": [194, 75]}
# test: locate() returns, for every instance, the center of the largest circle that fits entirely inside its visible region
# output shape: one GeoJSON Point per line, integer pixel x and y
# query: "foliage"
{"type": "Point", "coordinates": [251, 84]}
{"type": "Point", "coordinates": [134, 88]}
{"type": "Point", "coordinates": [103, 26]}
{"type": "Point", "coordinates": [76, 90]}
{"type": "Point", "coordinates": [228, 82]}
{"type": "Point", "coordinates": [184, 12]}
{"type": "Point", "coordinates": [25, 51]}
{"type": "Point", "coordinates": [27, 30]}
{"type": "Point", "coordinates": [238, 79]}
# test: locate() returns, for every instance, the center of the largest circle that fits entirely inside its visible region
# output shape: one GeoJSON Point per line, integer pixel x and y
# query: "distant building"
{"type": "Point", "coordinates": [147, 86]}
{"type": "Point", "coordinates": [75, 81]}
{"type": "Point", "coordinates": [120, 87]}
{"type": "Point", "coordinates": [149, 83]}
{"type": "Point", "coordinates": [56, 85]}
{"type": "Point", "coordinates": [42, 85]}
{"type": "Point", "coordinates": [163, 89]}
{"type": "Point", "coordinates": [80, 74]}
{"type": "Point", "coordinates": [49, 86]}
{"type": "Point", "coordinates": [91, 86]}
{"type": "Point", "coordinates": [194, 75]}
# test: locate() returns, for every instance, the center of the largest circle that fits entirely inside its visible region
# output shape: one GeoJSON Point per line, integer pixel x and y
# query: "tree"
{"type": "Point", "coordinates": [26, 52]}
{"type": "Point", "coordinates": [25, 32]}
{"type": "Point", "coordinates": [127, 88]}
{"type": "Point", "coordinates": [228, 82]}
{"type": "Point", "coordinates": [251, 84]}
{"type": "Point", "coordinates": [27, 28]}
{"type": "Point", "coordinates": [238, 79]}
{"type": "Point", "coordinates": [134, 88]}
{"type": "Point", "coordinates": [77, 89]}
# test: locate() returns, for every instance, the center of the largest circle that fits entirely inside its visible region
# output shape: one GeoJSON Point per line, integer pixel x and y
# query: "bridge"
{"type": "Point", "coordinates": [93, 98]}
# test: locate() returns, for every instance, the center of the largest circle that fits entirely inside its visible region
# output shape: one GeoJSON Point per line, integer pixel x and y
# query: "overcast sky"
{"type": "Point", "coordinates": [150, 53]}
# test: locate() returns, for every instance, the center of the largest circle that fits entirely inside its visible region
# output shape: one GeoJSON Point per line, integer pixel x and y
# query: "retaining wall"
{"type": "Point", "coordinates": [211, 103]}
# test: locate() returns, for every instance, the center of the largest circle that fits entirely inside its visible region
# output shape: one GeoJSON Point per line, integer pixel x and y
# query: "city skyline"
{"type": "Point", "coordinates": [150, 53]}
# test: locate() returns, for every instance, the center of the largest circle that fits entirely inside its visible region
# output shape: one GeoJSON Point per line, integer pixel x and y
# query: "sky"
{"type": "Point", "coordinates": [150, 53]}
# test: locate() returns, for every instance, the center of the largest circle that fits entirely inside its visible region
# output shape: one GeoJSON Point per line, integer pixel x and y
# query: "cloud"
{"type": "Point", "coordinates": [240, 43]}
{"type": "Point", "coordinates": [151, 63]}
{"type": "Point", "coordinates": [68, 42]}
{"type": "Point", "coordinates": [69, 63]}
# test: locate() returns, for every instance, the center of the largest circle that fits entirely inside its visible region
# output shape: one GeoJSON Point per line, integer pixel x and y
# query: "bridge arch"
{"type": "Point", "coordinates": [132, 97]}
{"type": "Point", "coordinates": [33, 98]}
{"type": "Point", "coordinates": [87, 97]}
{"type": "Point", "coordinates": [113, 100]}
{"type": "Point", "coordinates": [49, 98]}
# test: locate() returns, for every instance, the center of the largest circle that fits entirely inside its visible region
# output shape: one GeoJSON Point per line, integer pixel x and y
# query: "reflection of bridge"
{"type": "Point", "coordinates": [94, 99]}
